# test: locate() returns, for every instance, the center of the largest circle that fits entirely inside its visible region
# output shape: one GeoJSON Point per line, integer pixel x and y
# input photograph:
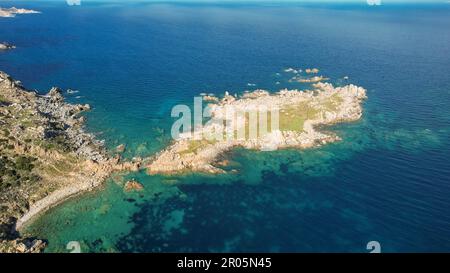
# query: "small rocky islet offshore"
{"type": "Point", "coordinates": [12, 12]}
{"type": "Point", "coordinates": [48, 157]}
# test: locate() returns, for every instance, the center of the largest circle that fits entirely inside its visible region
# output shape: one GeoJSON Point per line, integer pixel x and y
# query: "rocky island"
{"type": "Point", "coordinates": [46, 157]}
{"type": "Point", "coordinates": [299, 113]}
{"type": "Point", "coordinates": [5, 46]}
{"type": "Point", "coordinates": [11, 12]}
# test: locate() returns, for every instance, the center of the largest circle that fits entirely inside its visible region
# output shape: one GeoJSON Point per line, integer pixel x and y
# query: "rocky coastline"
{"type": "Point", "coordinates": [11, 12]}
{"type": "Point", "coordinates": [46, 158]}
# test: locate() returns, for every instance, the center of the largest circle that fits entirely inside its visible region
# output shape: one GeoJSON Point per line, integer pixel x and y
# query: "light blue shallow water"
{"type": "Point", "coordinates": [388, 180]}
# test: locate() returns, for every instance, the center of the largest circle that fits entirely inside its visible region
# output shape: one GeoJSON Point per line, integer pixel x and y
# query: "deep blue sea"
{"type": "Point", "coordinates": [388, 180]}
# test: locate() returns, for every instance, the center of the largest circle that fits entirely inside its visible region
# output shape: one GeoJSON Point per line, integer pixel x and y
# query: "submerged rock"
{"type": "Point", "coordinates": [121, 148]}
{"type": "Point", "coordinates": [133, 185]}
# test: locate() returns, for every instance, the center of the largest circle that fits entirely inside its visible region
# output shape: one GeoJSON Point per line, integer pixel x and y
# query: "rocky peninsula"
{"type": "Point", "coordinates": [46, 157]}
{"type": "Point", "coordinates": [300, 112]}
{"type": "Point", "coordinates": [11, 12]}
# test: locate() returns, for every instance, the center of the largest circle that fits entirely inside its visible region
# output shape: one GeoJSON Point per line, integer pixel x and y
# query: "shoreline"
{"type": "Point", "coordinates": [12, 12]}
{"type": "Point", "coordinates": [53, 200]}
{"type": "Point", "coordinates": [86, 164]}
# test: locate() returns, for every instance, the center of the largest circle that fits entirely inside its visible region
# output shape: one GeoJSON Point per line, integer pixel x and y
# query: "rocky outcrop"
{"type": "Point", "coordinates": [46, 157]}
{"type": "Point", "coordinates": [11, 12]}
{"type": "Point", "coordinates": [121, 148]}
{"type": "Point", "coordinates": [53, 107]}
{"type": "Point", "coordinates": [312, 70]}
{"type": "Point", "coordinates": [210, 98]}
{"type": "Point", "coordinates": [6, 46]}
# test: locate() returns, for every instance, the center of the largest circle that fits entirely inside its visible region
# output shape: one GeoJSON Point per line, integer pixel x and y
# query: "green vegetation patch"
{"type": "Point", "coordinates": [16, 171]}
{"type": "Point", "coordinates": [293, 117]}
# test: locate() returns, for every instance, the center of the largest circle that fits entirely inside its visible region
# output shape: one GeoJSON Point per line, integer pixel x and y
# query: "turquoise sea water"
{"type": "Point", "coordinates": [388, 180]}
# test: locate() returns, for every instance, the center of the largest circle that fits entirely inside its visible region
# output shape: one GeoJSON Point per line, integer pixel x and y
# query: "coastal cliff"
{"type": "Point", "coordinates": [46, 157]}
